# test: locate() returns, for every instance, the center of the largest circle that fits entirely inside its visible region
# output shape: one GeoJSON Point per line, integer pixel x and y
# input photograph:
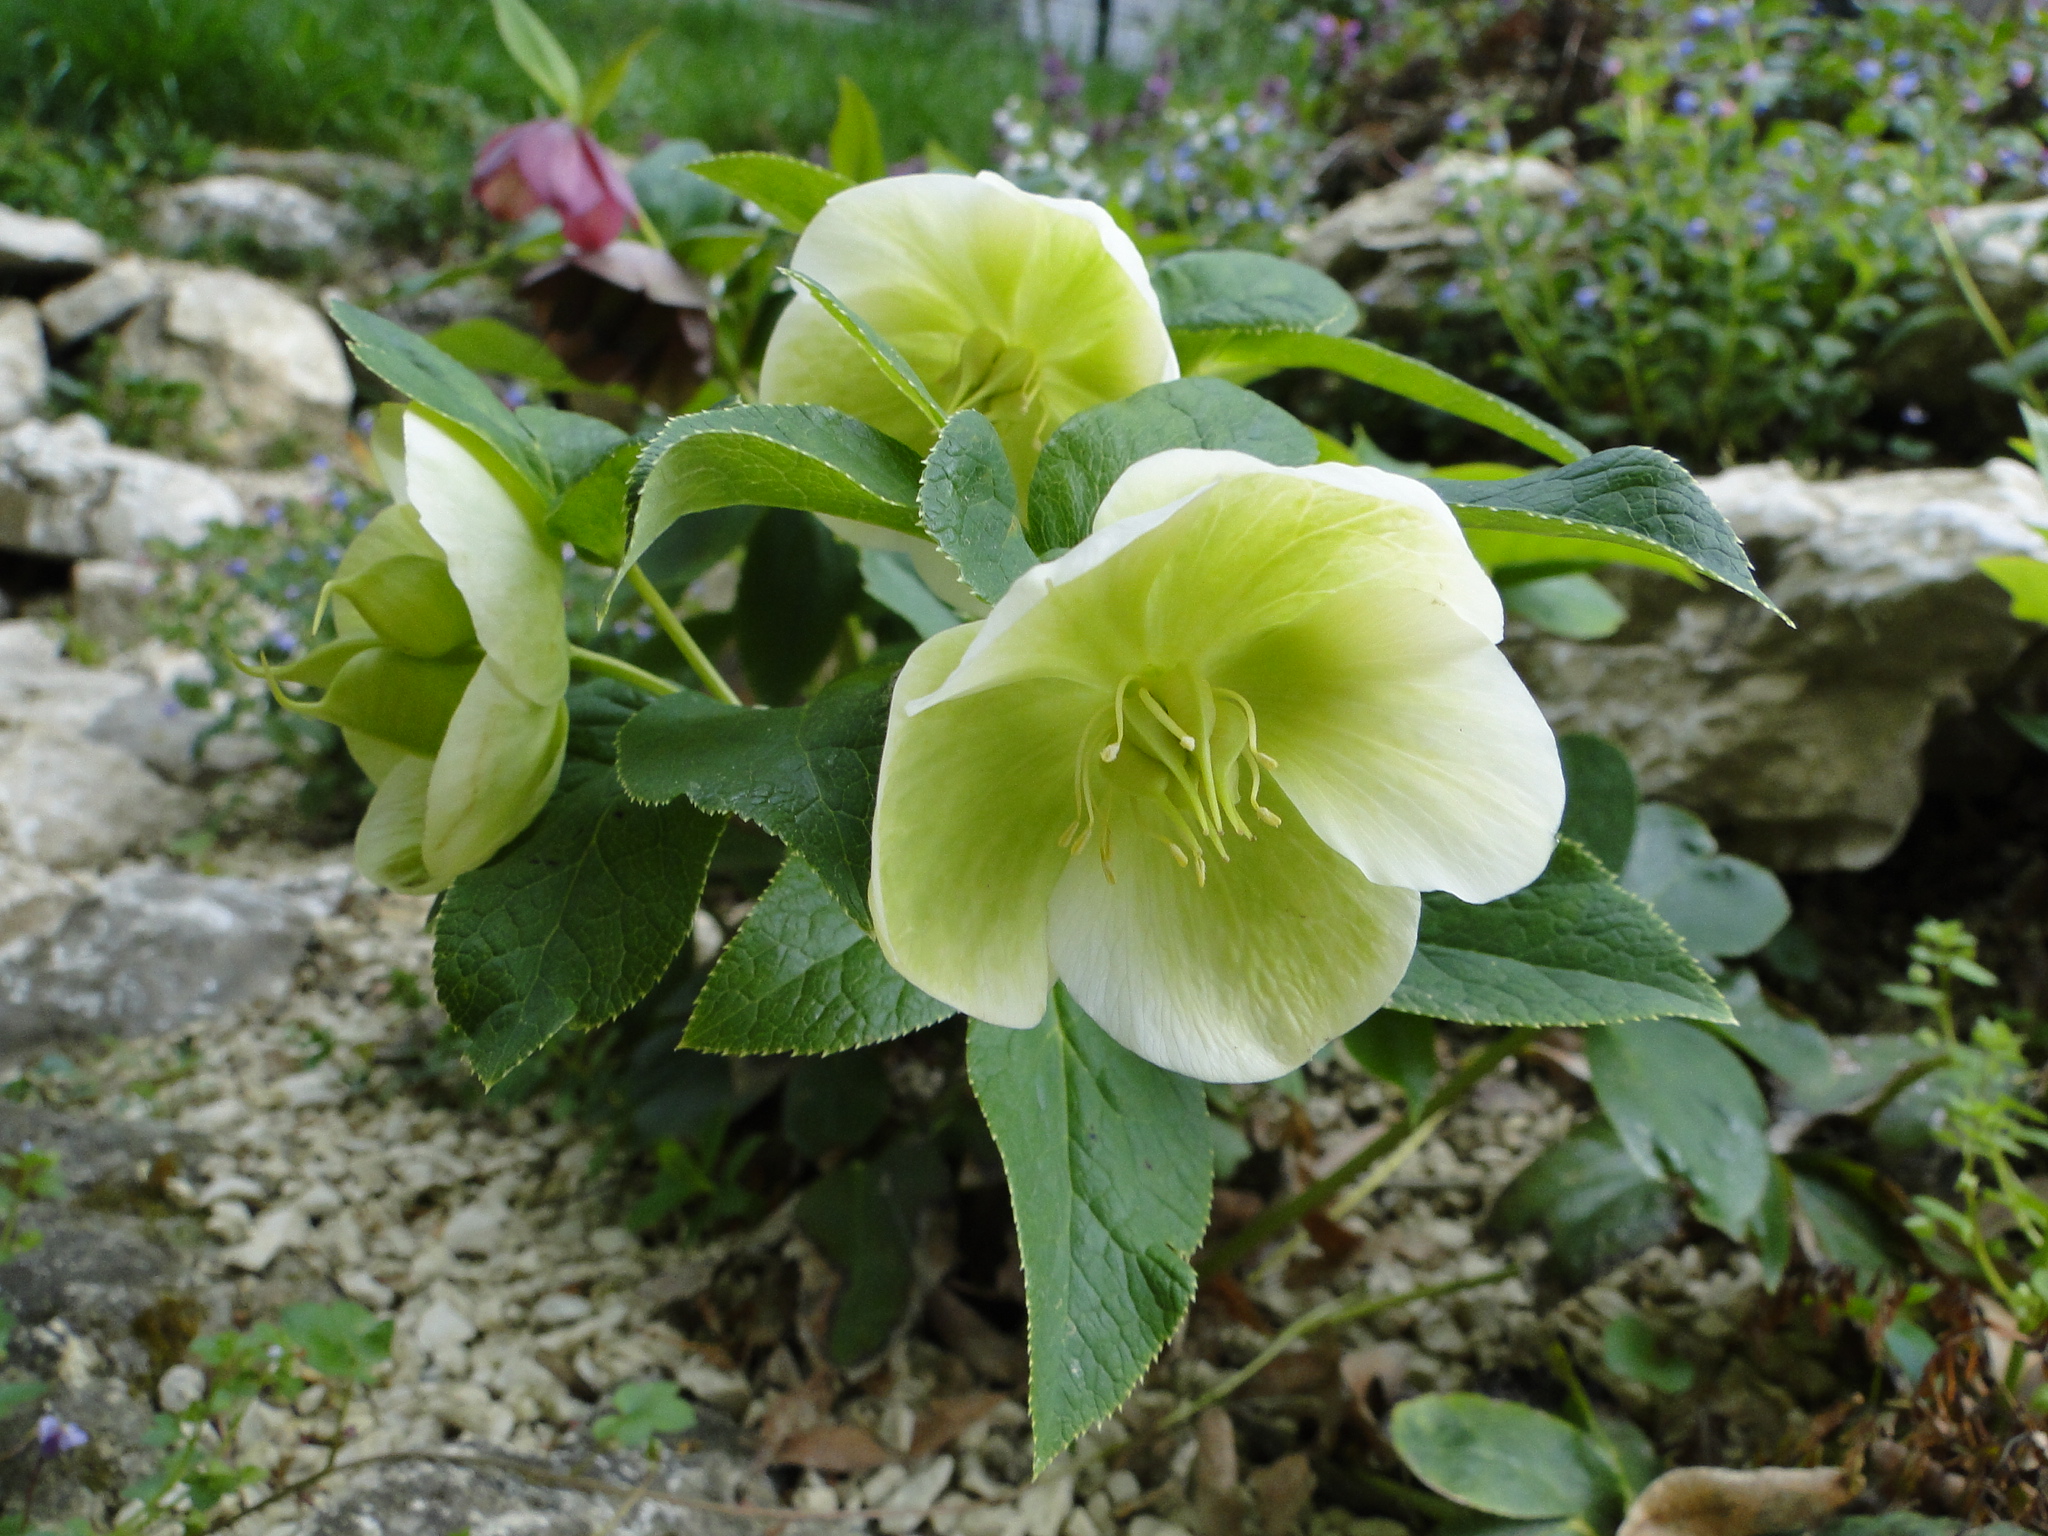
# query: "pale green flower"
{"type": "Point", "coordinates": [1199, 767]}
{"type": "Point", "coordinates": [451, 660]}
{"type": "Point", "coordinates": [1025, 308]}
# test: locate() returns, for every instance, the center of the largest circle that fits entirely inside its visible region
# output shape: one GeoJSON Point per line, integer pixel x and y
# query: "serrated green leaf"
{"type": "Point", "coordinates": [572, 924]}
{"type": "Point", "coordinates": [1684, 1104]}
{"type": "Point", "coordinates": [1109, 1164]}
{"type": "Point", "coordinates": [1572, 948]}
{"type": "Point", "coordinates": [855, 144]}
{"type": "Point", "coordinates": [534, 50]}
{"type": "Point", "coordinates": [2025, 580]}
{"type": "Point", "coordinates": [1247, 355]}
{"type": "Point", "coordinates": [800, 976]}
{"type": "Point", "coordinates": [807, 458]}
{"type": "Point", "coordinates": [1592, 1203]}
{"type": "Point", "coordinates": [797, 585]}
{"type": "Point", "coordinates": [807, 775]}
{"type": "Point", "coordinates": [967, 502]}
{"type": "Point", "coordinates": [1501, 1457]}
{"type": "Point", "coordinates": [1634, 497]}
{"type": "Point", "coordinates": [1248, 291]}
{"type": "Point", "coordinates": [592, 513]}
{"type": "Point", "coordinates": [342, 1339]}
{"type": "Point", "coordinates": [609, 79]}
{"type": "Point", "coordinates": [573, 444]}
{"type": "Point", "coordinates": [1083, 458]}
{"type": "Point", "coordinates": [788, 190]}
{"type": "Point", "coordinates": [1600, 798]}
{"type": "Point", "coordinates": [1720, 905]}
{"type": "Point", "coordinates": [422, 372]}
{"type": "Point", "coordinates": [889, 577]}
{"type": "Point", "coordinates": [874, 346]}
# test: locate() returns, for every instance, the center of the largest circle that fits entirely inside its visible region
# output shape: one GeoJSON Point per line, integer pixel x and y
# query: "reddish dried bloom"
{"type": "Point", "coordinates": [549, 163]}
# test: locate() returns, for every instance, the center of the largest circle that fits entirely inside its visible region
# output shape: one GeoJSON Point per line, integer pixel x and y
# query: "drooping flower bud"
{"type": "Point", "coordinates": [550, 163]}
{"type": "Point", "coordinates": [447, 675]}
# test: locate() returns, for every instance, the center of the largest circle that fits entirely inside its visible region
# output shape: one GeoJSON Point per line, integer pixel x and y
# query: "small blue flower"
{"type": "Point", "coordinates": [54, 1436]}
{"type": "Point", "coordinates": [1450, 293]}
{"type": "Point", "coordinates": [359, 523]}
{"type": "Point", "coordinates": [1975, 174]}
{"type": "Point", "coordinates": [1686, 102]}
{"type": "Point", "coordinates": [292, 591]}
{"type": "Point", "coordinates": [2019, 74]}
{"type": "Point", "coordinates": [333, 552]}
{"type": "Point", "coordinates": [237, 567]}
{"type": "Point", "coordinates": [1696, 228]}
{"type": "Point", "coordinates": [1972, 102]}
{"type": "Point", "coordinates": [1906, 86]}
{"type": "Point", "coordinates": [1793, 147]}
{"type": "Point", "coordinates": [1870, 71]}
{"type": "Point", "coordinates": [296, 555]}
{"type": "Point", "coordinates": [1570, 197]}
{"type": "Point", "coordinates": [1458, 121]}
{"type": "Point", "coordinates": [1704, 16]}
{"type": "Point", "coordinates": [1587, 296]}
{"type": "Point", "coordinates": [1913, 416]}
{"type": "Point", "coordinates": [318, 462]}
{"type": "Point", "coordinates": [1685, 47]}
{"type": "Point", "coordinates": [515, 395]}
{"type": "Point", "coordinates": [1764, 224]}
{"type": "Point", "coordinates": [338, 500]}
{"type": "Point", "coordinates": [1903, 59]}
{"type": "Point", "coordinates": [273, 514]}
{"type": "Point", "coordinates": [283, 640]}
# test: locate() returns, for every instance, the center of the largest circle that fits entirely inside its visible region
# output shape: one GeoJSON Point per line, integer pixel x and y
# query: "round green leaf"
{"type": "Point", "coordinates": [1503, 1458]}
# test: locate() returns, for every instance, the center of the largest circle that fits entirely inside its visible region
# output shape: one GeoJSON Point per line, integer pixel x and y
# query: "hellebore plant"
{"type": "Point", "coordinates": [1239, 771]}
{"type": "Point", "coordinates": [450, 662]}
{"type": "Point", "coordinates": [1199, 767]}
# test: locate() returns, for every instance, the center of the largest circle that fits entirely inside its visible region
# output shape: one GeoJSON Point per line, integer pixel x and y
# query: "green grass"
{"type": "Point", "coordinates": [420, 79]}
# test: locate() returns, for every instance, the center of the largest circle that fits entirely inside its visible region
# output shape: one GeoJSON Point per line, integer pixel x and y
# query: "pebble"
{"type": "Point", "coordinates": [180, 1387]}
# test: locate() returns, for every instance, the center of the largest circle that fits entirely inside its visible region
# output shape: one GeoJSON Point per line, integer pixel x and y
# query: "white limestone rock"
{"type": "Point", "coordinates": [111, 294]}
{"type": "Point", "coordinates": [24, 366]}
{"type": "Point", "coordinates": [68, 803]}
{"type": "Point", "coordinates": [66, 491]}
{"type": "Point", "coordinates": [273, 216]}
{"type": "Point", "coordinates": [34, 247]}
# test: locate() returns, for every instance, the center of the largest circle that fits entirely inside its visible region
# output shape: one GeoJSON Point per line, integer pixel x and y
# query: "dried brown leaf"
{"type": "Point", "coordinates": [1281, 1493]}
{"type": "Point", "coordinates": [1722, 1501]}
{"type": "Point", "coordinates": [946, 1418]}
{"type": "Point", "coordinates": [833, 1448]}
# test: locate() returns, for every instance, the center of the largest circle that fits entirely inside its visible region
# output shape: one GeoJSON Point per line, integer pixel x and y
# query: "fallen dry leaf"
{"type": "Point", "coordinates": [833, 1448]}
{"type": "Point", "coordinates": [1721, 1501]}
{"type": "Point", "coordinates": [945, 1418]}
{"type": "Point", "coordinates": [1280, 1493]}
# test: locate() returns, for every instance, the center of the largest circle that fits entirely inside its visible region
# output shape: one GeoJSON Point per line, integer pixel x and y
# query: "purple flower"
{"type": "Point", "coordinates": [1458, 121]}
{"type": "Point", "coordinates": [1703, 17]}
{"type": "Point", "coordinates": [273, 514]}
{"type": "Point", "coordinates": [1060, 83]}
{"type": "Point", "coordinates": [1611, 66]}
{"type": "Point", "coordinates": [1975, 174]}
{"type": "Point", "coordinates": [319, 462]}
{"type": "Point", "coordinates": [1906, 86]}
{"type": "Point", "coordinates": [549, 163]}
{"type": "Point", "coordinates": [237, 567]}
{"type": "Point", "coordinates": [1685, 48]}
{"type": "Point", "coordinates": [359, 523]}
{"type": "Point", "coordinates": [296, 555]}
{"type": "Point", "coordinates": [2019, 74]}
{"type": "Point", "coordinates": [1686, 102]}
{"type": "Point", "coordinates": [1450, 293]}
{"type": "Point", "coordinates": [1913, 416]}
{"type": "Point", "coordinates": [1870, 71]}
{"type": "Point", "coordinates": [54, 1436]}
{"type": "Point", "coordinates": [1972, 102]}
{"type": "Point", "coordinates": [333, 552]}
{"type": "Point", "coordinates": [1570, 197]}
{"type": "Point", "coordinates": [1586, 296]}
{"type": "Point", "coordinates": [1724, 109]}
{"type": "Point", "coordinates": [1696, 228]}
{"type": "Point", "coordinates": [515, 395]}
{"type": "Point", "coordinates": [1764, 224]}
{"type": "Point", "coordinates": [338, 500]}
{"type": "Point", "coordinates": [1794, 147]}
{"type": "Point", "coordinates": [292, 591]}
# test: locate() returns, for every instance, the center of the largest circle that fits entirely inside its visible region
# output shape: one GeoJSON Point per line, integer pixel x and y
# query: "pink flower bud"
{"type": "Point", "coordinates": [549, 163]}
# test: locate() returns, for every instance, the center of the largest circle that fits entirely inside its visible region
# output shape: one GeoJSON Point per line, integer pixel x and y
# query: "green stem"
{"type": "Point", "coordinates": [665, 619]}
{"type": "Point", "coordinates": [623, 671]}
{"type": "Point", "coordinates": [1277, 1219]}
{"type": "Point", "coordinates": [1979, 306]}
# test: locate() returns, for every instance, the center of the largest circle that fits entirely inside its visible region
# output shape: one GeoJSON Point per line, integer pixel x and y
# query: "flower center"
{"type": "Point", "coordinates": [1185, 755]}
{"type": "Point", "coordinates": [991, 376]}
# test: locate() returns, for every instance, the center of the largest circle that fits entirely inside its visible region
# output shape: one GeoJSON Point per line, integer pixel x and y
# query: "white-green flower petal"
{"type": "Point", "coordinates": [506, 567]}
{"type": "Point", "coordinates": [388, 839]}
{"type": "Point", "coordinates": [1407, 742]}
{"type": "Point", "coordinates": [1239, 979]}
{"type": "Point", "coordinates": [1027, 308]}
{"type": "Point", "coordinates": [966, 845]}
{"type": "Point", "coordinates": [374, 755]}
{"type": "Point", "coordinates": [1190, 581]}
{"type": "Point", "coordinates": [387, 449]}
{"type": "Point", "coordinates": [496, 768]}
{"type": "Point", "coordinates": [394, 532]}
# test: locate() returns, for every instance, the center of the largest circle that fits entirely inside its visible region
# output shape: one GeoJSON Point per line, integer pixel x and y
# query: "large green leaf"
{"type": "Point", "coordinates": [1083, 458]}
{"type": "Point", "coordinates": [422, 372]}
{"type": "Point", "coordinates": [804, 457]}
{"type": "Point", "coordinates": [1235, 291]}
{"type": "Point", "coordinates": [1398, 1048]}
{"type": "Point", "coordinates": [489, 345]}
{"type": "Point", "coordinates": [1636, 498]}
{"type": "Point", "coordinates": [572, 924]}
{"type": "Point", "coordinates": [968, 503]}
{"type": "Point", "coordinates": [801, 976]}
{"type": "Point", "coordinates": [1109, 1164]}
{"type": "Point", "coordinates": [891, 579]}
{"type": "Point", "coordinates": [1572, 948]}
{"type": "Point", "coordinates": [1501, 1457]}
{"type": "Point", "coordinates": [1823, 1074]}
{"type": "Point", "coordinates": [877, 348]}
{"type": "Point", "coordinates": [807, 775]}
{"type": "Point", "coordinates": [534, 49]}
{"type": "Point", "coordinates": [788, 190]}
{"type": "Point", "coordinates": [573, 444]}
{"type": "Point", "coordinates": [863, 1217]}
{"type": "Point", "coordinates": [1721, 905]}
{"type": "Point", "coordinates": [797, 585]}
{"type": "Point", "coordinates": [592, 512]}
{"type": "Point", "coordinates": [1594, 1206]}
{"type": "Point", "coordinates": [1683, 1103]}
{"type": "Point", "coordinates": [1246, 355]}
